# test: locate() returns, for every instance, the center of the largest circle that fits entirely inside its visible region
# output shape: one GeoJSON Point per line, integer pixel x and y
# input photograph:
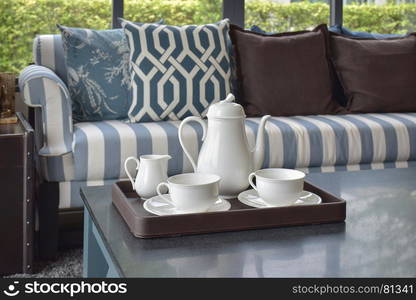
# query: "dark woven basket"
{"type": "Point", "coordinates": [7, 95]}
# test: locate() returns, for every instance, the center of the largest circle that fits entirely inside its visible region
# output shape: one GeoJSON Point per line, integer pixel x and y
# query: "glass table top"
{"type": "Point", "coordinates": [377, 239]}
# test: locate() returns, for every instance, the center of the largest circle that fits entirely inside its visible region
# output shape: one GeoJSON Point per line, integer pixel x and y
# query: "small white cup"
{"type": "Point", "coordinates": [278, 187]}
{"type": "Point", "coordinates": [191, 192]}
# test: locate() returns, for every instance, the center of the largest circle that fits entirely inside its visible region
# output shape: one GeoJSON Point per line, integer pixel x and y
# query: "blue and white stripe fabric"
{"type": "Point", "coordinates": [312, 144]}
{"type": "Point", "coordinates": [69, 192]}
{"type": "Point", "coordinates": [69, 196]}
{"type": "Point", "coordinates": [57, 168]}
{"type": "Point", "coordinates": [42, 88]}
{"type": "Point", "coordinates": [48, 51]}
{"type": "Point", "coordinates": [324, 142]}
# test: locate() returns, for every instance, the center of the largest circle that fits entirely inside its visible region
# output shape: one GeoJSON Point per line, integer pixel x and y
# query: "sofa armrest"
{"type": "Point", "coordinates": [41, 87]}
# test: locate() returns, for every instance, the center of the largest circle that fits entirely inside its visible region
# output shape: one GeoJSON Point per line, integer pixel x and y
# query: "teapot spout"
{"type": "Point", "coordinates": [258, 155]}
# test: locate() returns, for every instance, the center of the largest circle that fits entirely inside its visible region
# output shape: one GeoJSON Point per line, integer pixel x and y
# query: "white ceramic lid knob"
{"type": "Point", "coordinates": [226, 108]}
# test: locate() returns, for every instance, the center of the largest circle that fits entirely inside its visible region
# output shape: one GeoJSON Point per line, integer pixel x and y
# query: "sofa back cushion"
{"type": "Point", "coordinates": [377, 75]}
{"type": "Point", "coordinates": [284, 74]}
{"type": "Point", "coordinates": [49, 52]}
{"type": "Point", "coordinates": [98, 77]}
{"type": "Point", "coordinates": [177, 71]}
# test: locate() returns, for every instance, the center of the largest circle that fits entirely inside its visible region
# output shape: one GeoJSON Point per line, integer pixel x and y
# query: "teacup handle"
{"type": "Point", "coordinates": [250, 180]}
{"type": "Point", "coordinates": [160, 193]}
{"type": "Point", "coordinates": [127, 170]}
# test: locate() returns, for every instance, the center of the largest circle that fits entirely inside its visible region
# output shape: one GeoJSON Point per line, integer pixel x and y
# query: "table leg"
{"type": "Point", "coordinates": [96, 259]}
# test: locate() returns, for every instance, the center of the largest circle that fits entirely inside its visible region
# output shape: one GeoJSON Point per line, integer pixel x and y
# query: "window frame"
{"type": "Point", "coordinates": [117, 12]}
{"type": "Point", "coordinates": [336, 8]}
{"type": "Point", "coordinates": [234, 10]}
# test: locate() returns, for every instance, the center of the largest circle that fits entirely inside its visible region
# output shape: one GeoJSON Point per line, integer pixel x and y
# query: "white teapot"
{"type": "Point", "coordinates": [225, 150]}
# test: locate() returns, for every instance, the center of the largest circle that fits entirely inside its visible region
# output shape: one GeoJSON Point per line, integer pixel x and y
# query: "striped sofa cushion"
{"type": "Point", "coordinates": [48, 52]}
{"type": "Point", "coordinates": [69, 196]}
{"type": "Point", "coordinates": [323, 142]}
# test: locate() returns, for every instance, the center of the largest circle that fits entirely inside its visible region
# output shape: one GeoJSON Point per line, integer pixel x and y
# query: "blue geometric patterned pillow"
{"type": "Point", "coordinates": [98, 74]}
{"type": "Point", "coordinates": [177, 71]}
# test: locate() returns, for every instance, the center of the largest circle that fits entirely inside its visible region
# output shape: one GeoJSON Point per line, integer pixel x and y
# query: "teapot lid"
{"type": "Point", "coordinates": [226, 109]}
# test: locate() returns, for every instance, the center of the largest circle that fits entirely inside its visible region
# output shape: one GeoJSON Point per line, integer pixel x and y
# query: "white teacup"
{"type": "Point", "coordinates": [278, 187]}
{"type": "Point", "coordinates": [191, 192]}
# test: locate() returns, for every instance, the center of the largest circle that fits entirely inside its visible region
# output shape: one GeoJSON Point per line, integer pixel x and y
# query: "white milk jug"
{"type": "Point", "coordinates": [151, 170]}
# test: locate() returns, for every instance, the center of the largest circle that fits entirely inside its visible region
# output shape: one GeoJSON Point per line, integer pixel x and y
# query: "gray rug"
{"type": "Point", "coordinates": [68, 265]}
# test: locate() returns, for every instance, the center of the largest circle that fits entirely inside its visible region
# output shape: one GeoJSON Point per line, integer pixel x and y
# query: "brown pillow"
{"type": "Point", "coordinates": [377, 75]}
{"type": "Point", "coordinates": [284, 74]}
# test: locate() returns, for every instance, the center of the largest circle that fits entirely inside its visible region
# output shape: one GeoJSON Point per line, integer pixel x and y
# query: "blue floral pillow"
{"type": "Point", "coordinates": [98, 76]}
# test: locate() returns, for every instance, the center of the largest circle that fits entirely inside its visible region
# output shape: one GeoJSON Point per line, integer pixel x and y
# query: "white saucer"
{"type": "Point", "coordinates": [159, 206]}
{"type": "Point", "coordinates": [251, 198]}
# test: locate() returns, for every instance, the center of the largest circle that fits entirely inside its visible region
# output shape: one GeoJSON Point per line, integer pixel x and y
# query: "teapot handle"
{"type": "Point", "coordinates": [127, 170]}
{"type": "Point", "coordinates": [204, 128]}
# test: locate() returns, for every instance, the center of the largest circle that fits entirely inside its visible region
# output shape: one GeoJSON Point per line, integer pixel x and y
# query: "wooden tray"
{"type": "Point", "coordinates": [240, 217]}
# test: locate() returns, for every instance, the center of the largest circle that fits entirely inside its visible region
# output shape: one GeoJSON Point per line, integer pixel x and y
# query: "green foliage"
{"type": "Point", "coordinates": [393, 18]}
{"type": "Point", "coordinates": [276, 17]}
{"type": "Point", "coordinates": [175, 12]}
{"type": "Point", "coordinates": [21, 20]}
